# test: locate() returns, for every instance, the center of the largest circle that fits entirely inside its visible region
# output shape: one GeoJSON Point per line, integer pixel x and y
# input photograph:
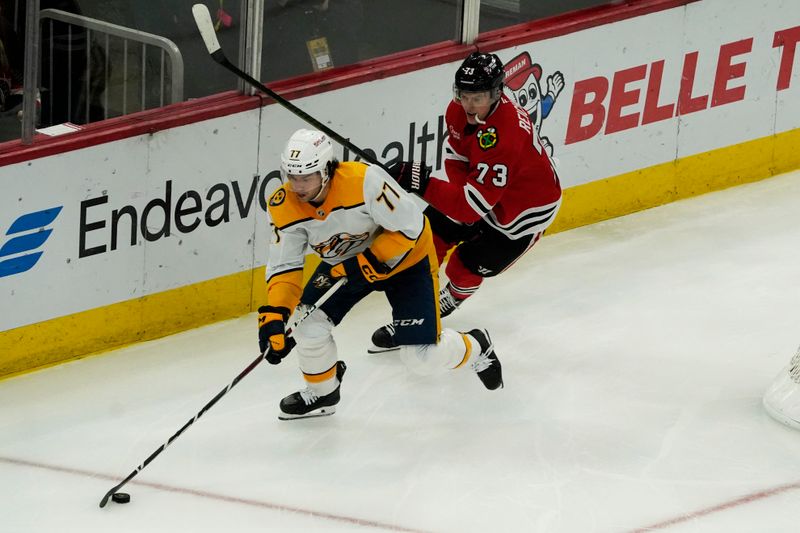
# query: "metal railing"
{"type": "Point", "coordinates": [129, 90]}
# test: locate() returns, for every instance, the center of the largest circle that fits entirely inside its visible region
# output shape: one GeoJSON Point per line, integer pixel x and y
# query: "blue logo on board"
{"type": "Point", "coordinates": [21, 251]}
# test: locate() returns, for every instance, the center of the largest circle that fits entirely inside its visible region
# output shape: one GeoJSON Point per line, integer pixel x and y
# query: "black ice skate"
{"type": "Point", "coordinates": [447, 302]}
{"type": "Point", "coordinates": [306, 404]}
{"type": "Point", "coordinates": [486, 364]}
{"type": "Point", "coordinates": [383, 340]}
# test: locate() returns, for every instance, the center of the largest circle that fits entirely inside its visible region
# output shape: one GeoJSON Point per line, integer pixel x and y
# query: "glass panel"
{"type": "Point", "coordinates": [12, 58]}
{"type": "Point", "coordinates": [497, 14]}
{"type": "Point", "coordinates": [173, 19]}
{"type": "Point", "coordinates": [88, 75]}
{"type": "Point", "coordinates": [304, 36]}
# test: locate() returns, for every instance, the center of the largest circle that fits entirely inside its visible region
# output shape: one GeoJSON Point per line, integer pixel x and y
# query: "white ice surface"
{"type": "Point", "coordinates": [635, 354]}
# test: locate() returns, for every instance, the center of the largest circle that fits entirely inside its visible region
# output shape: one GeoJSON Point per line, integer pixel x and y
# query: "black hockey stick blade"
{"type": "Point", "coordinates": [202, 18]}
{"type": "Point", "coordinates": [110, 493]}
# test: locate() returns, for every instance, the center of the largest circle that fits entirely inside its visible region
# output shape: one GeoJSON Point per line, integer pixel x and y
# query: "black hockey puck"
{"type": "Point", "coordinates": [120, 497]}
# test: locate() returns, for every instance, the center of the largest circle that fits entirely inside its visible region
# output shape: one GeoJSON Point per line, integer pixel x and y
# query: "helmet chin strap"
{"type": "Point", "coordinates": [482, 122]}
{"type": "Point", "coordinates": [322, 186]}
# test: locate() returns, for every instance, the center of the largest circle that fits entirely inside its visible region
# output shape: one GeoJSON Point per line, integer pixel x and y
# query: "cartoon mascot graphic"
{"type": "Point", "coordinates": [523, 80]}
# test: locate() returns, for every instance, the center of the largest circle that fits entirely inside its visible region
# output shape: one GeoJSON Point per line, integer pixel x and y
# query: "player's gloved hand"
{"type": "Point", "coordinates": [412, 176]}
{"type": "Point", "coordinates": [364, 268]}
{"type": "Point", "coordinates": [272, 333]}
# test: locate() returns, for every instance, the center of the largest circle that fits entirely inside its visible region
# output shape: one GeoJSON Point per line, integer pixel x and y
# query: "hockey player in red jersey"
{"type": "Point", "coordinates": [366, 228]}
{"type": "Point", "coordinates": [498, 192]}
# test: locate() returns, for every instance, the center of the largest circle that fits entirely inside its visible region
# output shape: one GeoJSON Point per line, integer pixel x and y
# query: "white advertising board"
{"type": "Point", "coordinates": [133, 217]}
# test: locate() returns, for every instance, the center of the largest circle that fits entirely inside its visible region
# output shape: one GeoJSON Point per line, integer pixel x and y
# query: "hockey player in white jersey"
{"type": "Point", "coordinates": [363, 226]}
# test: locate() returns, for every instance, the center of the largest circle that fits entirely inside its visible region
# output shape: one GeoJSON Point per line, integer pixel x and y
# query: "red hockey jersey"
{"type": "Point", "coordinates": [497, 171]}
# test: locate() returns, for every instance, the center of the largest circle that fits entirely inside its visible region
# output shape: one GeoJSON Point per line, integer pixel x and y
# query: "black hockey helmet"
{"type": "Point", "coordinates": [480, 72]}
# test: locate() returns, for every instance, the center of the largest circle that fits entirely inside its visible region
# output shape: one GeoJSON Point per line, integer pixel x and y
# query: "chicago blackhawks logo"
{"type": "Point", "coordinates": [339, 244]}
{"type": "Point", "coordinates": [278, 197]}
{"type": "Point", "coordinates": [487, 138]}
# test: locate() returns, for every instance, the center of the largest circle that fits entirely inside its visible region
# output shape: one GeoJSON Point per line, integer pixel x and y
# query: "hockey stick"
{"type": "Point", "coordinates": [203, 20]}
{"type": "Point", "coordinates": [322, 299]}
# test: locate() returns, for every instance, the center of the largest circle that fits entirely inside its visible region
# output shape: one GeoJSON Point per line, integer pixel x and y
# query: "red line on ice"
{"type": "Point", "coordinates": [749, 498]}
{"type": "Point", "coordinates": [213, 496]}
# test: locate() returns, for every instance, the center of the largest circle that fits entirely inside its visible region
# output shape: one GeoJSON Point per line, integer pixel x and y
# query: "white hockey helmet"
{"type": "Point", "coordinates": [306, 152]}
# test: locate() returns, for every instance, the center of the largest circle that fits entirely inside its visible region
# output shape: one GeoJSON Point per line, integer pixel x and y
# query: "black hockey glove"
{"type": "Point", "coordinates": [272, 333]}
{"type": "Point", "coordinates": [364, 268]}
{"type": "Point", "coordinates": [412, 176]}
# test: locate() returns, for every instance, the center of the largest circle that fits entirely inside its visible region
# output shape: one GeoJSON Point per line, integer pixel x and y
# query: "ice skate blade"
{"type": "Point", "coordinates": [377, 349]}
{"type": "Point", "coordinates": [778, 414]}
{"type": "Point", "coordinates": [323, 411]}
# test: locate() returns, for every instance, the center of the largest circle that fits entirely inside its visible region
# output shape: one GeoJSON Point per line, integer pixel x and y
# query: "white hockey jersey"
{"type": "Point", "coordinates": [364, 208]}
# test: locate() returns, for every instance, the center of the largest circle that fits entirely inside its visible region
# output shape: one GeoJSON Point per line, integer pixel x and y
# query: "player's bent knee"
{"type": "Point", "coordinates": [314, 329]}
{"type": "Point", "coordinates": [316, 350]}
{"type": "Point", "coordinates": [422, 359]}
{"type": "Point", "coordinates": [480, 267]}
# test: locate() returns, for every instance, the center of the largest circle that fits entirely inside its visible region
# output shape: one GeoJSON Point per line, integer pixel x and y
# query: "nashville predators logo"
{"type": "Point", "coordinates": [339, 245]}
{"type": "Point", "coordinates": [487, 138]}
{"type": "Point", "coordinates": [278, 197]}
{"type": "Point", "coordinates": [321, 281]}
